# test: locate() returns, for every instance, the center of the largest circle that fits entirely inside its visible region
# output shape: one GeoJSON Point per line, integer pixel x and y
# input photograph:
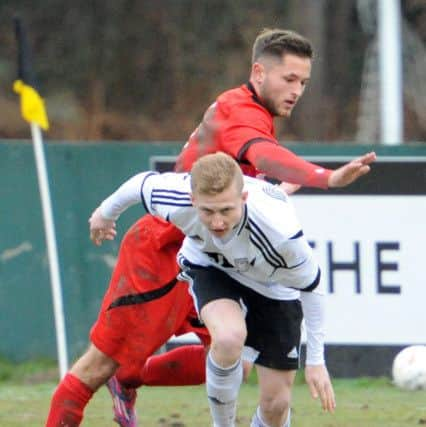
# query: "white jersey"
{"type": "Point", "coordinates": [267, 251]}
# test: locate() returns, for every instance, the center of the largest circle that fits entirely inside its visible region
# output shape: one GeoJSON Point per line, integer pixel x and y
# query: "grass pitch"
{"type": "Point", "coordinates": [25, 396]}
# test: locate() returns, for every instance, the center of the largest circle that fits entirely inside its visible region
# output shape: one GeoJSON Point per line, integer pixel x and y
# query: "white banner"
{"type": "Point", "coordinates": [373, 259]}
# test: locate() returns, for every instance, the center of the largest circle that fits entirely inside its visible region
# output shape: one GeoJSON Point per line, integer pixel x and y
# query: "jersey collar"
{"type": "Point", "coordinates": [255, 97]}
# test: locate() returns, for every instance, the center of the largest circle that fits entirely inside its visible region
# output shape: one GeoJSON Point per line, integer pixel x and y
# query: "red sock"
{"type": "Point", "coordinates": [68, 402]}
{"type": "Point", "coordinates": [184, 365]}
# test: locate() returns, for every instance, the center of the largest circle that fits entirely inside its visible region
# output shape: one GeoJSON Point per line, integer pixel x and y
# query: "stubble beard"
{"type": "Point", "coordinates": [270, 105]}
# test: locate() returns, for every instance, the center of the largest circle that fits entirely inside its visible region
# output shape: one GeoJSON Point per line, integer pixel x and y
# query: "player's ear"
{"type": "Point", "coordinates": [258, 72]}
{"type": "Point", "coordinates": [244, 196]}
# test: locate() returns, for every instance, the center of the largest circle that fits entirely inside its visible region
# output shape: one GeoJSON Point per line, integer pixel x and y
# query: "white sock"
{"type": "Point", "coordinates": [223, 385]}
{"type": "Point", "coordinates": [257, 420]}
{"type": "Point", "coordinates": [288, 422]}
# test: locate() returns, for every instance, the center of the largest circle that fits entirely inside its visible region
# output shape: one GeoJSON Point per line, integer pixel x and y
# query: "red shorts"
{"type": "Point", "coordinates": [145, 304]}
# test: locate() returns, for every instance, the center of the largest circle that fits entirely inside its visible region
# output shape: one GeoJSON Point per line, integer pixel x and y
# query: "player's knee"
{"type": "Point", "coordinates": [229, 343]}
{"type": "Point", "coordinates": [275, 406]}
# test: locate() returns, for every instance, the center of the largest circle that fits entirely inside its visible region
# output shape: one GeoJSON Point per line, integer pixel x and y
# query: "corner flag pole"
{"type": "Point", "coordinates": [33, 111]}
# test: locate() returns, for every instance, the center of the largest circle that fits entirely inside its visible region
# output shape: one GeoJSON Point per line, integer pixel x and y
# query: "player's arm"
{"type": "Point", "coordinates": [283, 165]}
{"type": "Point", "coordinates": [102, 220]}
{"type": "Point", "coordinates": [302, 272]}
{"type": "Point", "coordinates": [316, 373]}
{"type": "Point", "coordinates": [248, 138]}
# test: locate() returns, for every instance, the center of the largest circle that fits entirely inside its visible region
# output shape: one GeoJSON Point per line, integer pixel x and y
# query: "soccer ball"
{"type": "Point", "coordinates": [409, 368]}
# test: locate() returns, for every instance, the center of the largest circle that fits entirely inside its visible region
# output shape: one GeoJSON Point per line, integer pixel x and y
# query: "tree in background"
{"type": "Point", "coordinates": [132, 70]}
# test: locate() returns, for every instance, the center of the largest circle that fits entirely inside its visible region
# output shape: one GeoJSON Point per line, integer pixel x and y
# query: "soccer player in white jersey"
{"type": "Point", "coordinates": [243, 246]}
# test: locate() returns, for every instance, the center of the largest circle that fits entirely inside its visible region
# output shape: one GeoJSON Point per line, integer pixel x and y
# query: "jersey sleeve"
{"type": "Point", "coordinates": [166, 195]}
{"type": "Point", "coordinates": [313, 306]}
{"type": "Point", "coordinates": [282, 164]}
{"type": "Point", "coordinates": [128, 194]}
{"type": "Point", "coordinates": [248, 137]}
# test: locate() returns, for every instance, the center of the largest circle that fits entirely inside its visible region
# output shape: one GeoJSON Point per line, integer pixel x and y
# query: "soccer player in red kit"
{"type": "Point", "coordinates": [145, 304]}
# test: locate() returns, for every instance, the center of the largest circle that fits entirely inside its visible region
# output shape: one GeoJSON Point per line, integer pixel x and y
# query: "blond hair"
{"type": "Point", "coordinates": [214, 173]}
{"type": "Point", "coordinates": [275, 42]}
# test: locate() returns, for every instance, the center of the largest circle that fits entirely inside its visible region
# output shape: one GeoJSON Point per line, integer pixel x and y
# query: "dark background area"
{"type": "Point", "coordinates": [147, 70]}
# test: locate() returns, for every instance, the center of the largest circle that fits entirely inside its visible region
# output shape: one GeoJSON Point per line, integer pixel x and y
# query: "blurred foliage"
{"type": "Point", "coordinates": [147, 70]}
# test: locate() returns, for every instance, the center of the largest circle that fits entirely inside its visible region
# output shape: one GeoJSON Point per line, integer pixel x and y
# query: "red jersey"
{"type": "Point", "coordinates": [239, 125]}
{"type": "Point", "coordinates": [231, 124]}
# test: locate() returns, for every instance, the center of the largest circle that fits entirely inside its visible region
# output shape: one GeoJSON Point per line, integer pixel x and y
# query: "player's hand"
{"type": "Point", "coordinates": [100, 228]}
{"type": "Point", "coordinates": [289, 188]}
{"type": "Point", "coordinates": [319, 383]}
{"type": "Point", "coordinates": [351, 171]}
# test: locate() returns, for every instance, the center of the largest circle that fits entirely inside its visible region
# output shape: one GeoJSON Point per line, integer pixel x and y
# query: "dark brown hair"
{"type": "Point", "coordinates": [276, 42]}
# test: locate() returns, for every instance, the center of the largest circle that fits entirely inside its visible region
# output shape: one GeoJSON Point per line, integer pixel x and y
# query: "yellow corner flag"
{"type": "Point", "coordinates": [32, 104]}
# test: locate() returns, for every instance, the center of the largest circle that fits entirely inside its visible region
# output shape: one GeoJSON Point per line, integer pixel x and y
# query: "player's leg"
{"type": "Point", "coordinates": [225, 322]}
{"type": "Point", "coordinates": [94, 368]}
{"type": "Point", "coordinates": [273, 341]}
{"type": "Point", "coordinates": [216, 296]}
{"type": "Point", "coordinates": [76, 389]}
{"type": "Point", "coordinates": [183, 365]}
{"type": "Point", "coordinates": [275, 397]}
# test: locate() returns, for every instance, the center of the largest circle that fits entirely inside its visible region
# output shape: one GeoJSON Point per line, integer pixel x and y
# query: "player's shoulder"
{"type": "Point", "coordinates": [240, 101]}
{"type": "Point", "coordinates": [264, 189]}
{"type": "Point", "coordinates": [234, 94]}
{"type": "Point", "coordinates": [270, 209]}
{"type": "Point", "coordinates": [168, 195]}
{"type": "Point", "coordinates": [179, 176]}
{"type": "Point", "coordinates": [173, 181]}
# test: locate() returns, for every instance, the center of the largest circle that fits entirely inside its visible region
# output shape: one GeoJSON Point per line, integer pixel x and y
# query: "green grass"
{"type": "Point", "coordinates": [25, 392]}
